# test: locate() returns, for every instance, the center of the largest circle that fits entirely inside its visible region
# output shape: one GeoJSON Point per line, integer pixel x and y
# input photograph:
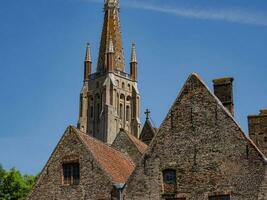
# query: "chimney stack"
{"type": "Point", "coordinates": [223, 89]}
{"type": "Point", "coordinates": [257, 126]}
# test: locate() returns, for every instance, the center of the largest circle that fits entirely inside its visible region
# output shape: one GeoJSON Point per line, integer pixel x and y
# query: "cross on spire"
{"type": "Point", "coordinates": [147, 113]}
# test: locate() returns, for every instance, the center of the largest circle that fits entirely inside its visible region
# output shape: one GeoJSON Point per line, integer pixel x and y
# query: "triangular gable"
{"type": "Point", "coordinates": [192, 83]}
{"type": "Point", "coordinates": [201, 140]}
{"type": "Point", "coordinates": [148, 132]}
{"type": "Point", "coordinates": [129, 145]}
{"type": "Point", "coordinates": [115, 167]}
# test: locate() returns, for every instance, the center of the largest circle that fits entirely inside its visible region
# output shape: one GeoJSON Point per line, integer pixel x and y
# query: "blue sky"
{"type": "Point", "coordinates": [42, 46]}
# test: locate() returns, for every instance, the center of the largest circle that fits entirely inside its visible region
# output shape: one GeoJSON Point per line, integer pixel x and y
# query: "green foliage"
{"type": "Point", "coordinates": [14, 185]}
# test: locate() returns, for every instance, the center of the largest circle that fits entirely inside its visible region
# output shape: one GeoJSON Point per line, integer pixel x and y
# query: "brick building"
{"type": "Point", "coordinates": [198, 153]}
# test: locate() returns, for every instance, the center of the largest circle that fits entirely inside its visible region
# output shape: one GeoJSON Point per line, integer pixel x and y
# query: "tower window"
{"type": "Point", "coordinates": [98, 110]}
{"type": "Point", "coordinates": [128, 98]}
{"type": "Point", "coordinates": [220, 197]}
{"type": "Point", "coordinates": [71, 173]}
{"type": "Point", "coordinates": [127, 113]}
{"type": "Point", "coordinates": [123, 85]}
{"type": "Point", "coordinates": [265, 139]}
{"type": "Point", "coordinates": [169, 181]}
{"type": "Point", "coordinates": [121, 111]}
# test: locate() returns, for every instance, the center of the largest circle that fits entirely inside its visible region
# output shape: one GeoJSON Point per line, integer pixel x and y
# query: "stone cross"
{"type": "Point", "coordinates": [147, 113]}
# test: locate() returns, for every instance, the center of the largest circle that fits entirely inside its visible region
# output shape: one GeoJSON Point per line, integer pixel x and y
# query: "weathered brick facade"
{"type": "Point", "coordinates": [101, 168]}
{"type": "Point", "coordinates": [223, 89]}
{"type": "Point", "coordinates": [129, 145]}
{"type": "Point", "coordinates": [257, 125]}
{"type": "Point", "coordinates": [211, 155]}
{"type": "Point", "coordinates": [148, 132]}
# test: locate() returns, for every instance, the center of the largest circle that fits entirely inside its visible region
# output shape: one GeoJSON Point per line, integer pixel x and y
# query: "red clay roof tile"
{"type": "Point", "coordinates": [117, 165]}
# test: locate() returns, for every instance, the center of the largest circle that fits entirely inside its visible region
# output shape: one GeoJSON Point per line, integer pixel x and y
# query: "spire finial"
{"type": "Point", "coordinates": [110, 46]}
{"type": "Point", "coordinates": [88, 53]}
{"type": "Point", "coordinates": [147, 113]}
{"type": "Point", "coordinates": [133, 54]}
{"type": "Point", "coordinates": [112, 3]}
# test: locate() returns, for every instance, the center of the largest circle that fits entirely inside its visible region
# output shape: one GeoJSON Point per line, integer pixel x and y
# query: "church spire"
{"type": "Point", "coordinates": [111, 29]}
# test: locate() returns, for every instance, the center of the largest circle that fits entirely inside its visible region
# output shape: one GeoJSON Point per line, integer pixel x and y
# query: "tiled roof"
{"type": "Point", "coordinates": [117, 165]}
{"type": "Point", "coordinates": [142, 147]}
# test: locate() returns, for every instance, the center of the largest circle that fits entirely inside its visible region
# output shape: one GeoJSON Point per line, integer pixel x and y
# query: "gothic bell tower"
{"type": "Point", "coordinates": [110, 98]}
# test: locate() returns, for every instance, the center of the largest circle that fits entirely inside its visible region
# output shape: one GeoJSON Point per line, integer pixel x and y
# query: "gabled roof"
{"type": "Point", "coordinates": [148, 132]}
{"type": "Point", "coordinates": [198, 131]}
{"type": "Point", "coordinates": [141, 146]}
{"type": "Point", "coordinates": [129, 145]}
{"type": "Point", "coordinates": [117, 165]}
{"type": "Point", "coordinates": [197, 80]}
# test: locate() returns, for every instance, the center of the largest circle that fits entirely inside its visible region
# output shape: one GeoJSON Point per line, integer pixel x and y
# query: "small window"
{"type": "Point", "coordinates": [220, 197]}
{"type": "Point", "coordinates": [265, 139]}
{"type": "Point", "coordinates": [71, 173]}
{"type": "Point", "coordinates": [169, 180]}
{"type": "Point", "coordinates": [123, 85]}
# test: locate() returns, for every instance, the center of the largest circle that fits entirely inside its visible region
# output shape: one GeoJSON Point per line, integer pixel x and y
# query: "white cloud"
{"type": "Point", "coordinates": [228, 15]}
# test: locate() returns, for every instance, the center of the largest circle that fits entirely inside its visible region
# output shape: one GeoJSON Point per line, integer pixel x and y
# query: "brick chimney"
{"type": "Point", "coordinates": [223, 89]}
{"type": "Point", "coordinates": [257, 126]}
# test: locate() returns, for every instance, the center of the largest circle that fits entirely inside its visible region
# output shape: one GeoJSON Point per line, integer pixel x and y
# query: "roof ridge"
{"type": "Point", "coordinates": [229, 115]}
{"type": "Point", "coordinates": [103, 144]}
{"type": "Point", "coordinates": [141, 146]}
{"type": "Point", "coordinates": [218, 103]}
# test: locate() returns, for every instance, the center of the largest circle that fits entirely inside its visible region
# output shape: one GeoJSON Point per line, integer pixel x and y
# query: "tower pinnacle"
{"type": "Point", "coordinates": [88, 53]}
{"type": "Point", "coordinates": [133, 54]}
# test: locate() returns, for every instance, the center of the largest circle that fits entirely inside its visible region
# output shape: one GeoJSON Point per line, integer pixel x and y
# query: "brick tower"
{"type": "Point", "coordinates": [110, 99]}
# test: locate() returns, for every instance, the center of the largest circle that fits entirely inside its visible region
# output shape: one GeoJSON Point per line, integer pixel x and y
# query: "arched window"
{"type": "Point", "coordinates": [127, 113]}
{"type": "Point", "coordinates": [118, 104]}
{"type": "Point", "coordinates": [169, 181]}
{"type": "Point", "coordinates": [121, 111]}
{"type": "Point", "coordinates": [128, 98]}
{"type": "Point", "coordinates": [123, 85]}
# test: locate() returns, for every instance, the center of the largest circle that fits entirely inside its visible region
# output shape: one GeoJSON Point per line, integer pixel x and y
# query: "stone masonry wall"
{"type": "Point", "coordinates": [93, 182]}
{"type": "Point", "coordinates": [202, 142]}
{"type": "Point", "coordinates": [257, 125]}
{"type": "Point", "coordinates": [124, 144]}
